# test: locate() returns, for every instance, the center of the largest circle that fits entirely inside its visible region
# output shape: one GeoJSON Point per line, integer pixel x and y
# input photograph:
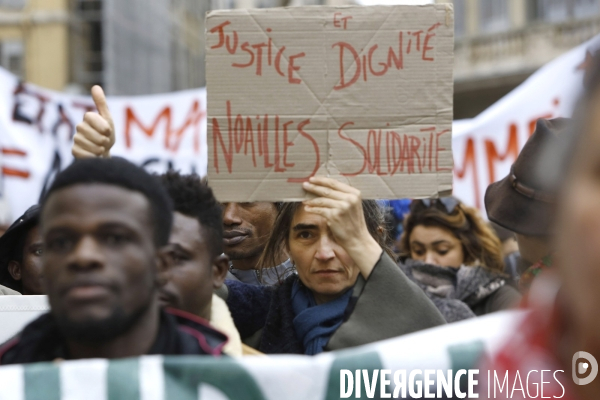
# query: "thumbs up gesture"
{"type": "Point", "coordinates": [95, 135]}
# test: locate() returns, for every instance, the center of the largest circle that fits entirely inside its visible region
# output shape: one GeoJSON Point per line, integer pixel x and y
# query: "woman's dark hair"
{"type": "Point", "coordinates": [193, 197]}
{"type": "Point", "coordinates": [277, 242]}
{"type": "Point", "coordinates": [480, 244]}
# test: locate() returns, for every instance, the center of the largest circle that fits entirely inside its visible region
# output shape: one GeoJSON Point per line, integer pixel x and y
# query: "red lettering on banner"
{"type": "Point", "coordinates": [172, 136]}
{"type": "Point", "coordinates": [301, 130]}
{"type": "Point", "coordinates": [256, 53]}
{"type": "Point", "coordinates": [469, 162]}
{"type": "Point", "coordinates": [364, 64]}
{"type": "Point", "coordinates": [400, 150]}
{"type": "Point", "coordinates": [239, 136]}
{"type": "Point", "coordinates": [337, 23]}
{"type": "Point", "coordinates": [357, 145]}
{"type": "Point", "coordinates": [512, 149]}
{"type": "Point", "coordinates": [14, 172]}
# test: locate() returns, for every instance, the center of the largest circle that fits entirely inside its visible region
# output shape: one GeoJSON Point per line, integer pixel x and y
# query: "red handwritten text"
{"type": "Point", "coordinates": [256, 136]}
{"type": "Point", "coordinates": [259, 54]}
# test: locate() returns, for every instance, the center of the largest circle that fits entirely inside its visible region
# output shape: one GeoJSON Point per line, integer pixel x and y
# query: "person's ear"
{"type": "Point", "coordinates": [220, 268]}
{"type": "Point", "coordinates": [14, 269]}
{"type": "Point", "coordinates": [162, 270]}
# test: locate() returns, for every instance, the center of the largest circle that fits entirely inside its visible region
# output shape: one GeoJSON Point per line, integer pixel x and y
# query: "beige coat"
{"type": "Point", "coordinates": [6, 291]}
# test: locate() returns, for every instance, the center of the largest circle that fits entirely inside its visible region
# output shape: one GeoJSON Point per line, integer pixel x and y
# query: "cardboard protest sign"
{"type": "Point", "coordinates": [362, 94]}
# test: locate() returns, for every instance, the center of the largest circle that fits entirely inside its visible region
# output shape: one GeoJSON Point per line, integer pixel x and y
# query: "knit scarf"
{"type": "Point", "coordinates": [314, 324]}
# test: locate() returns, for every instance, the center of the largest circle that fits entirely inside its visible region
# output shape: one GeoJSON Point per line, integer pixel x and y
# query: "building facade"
{"type": "Point", "coordinates": [130, 47]}
{"type": "Point", "coordinates": [499, 43]}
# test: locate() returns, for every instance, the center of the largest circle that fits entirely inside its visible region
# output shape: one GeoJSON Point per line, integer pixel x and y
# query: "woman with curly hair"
{"type": "Point", "coordinates": [451, 252]}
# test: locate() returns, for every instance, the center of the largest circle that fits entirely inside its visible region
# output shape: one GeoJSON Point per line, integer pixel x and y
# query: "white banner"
{"type": "Point", "coordinates": [485, 147]}
{"type": "Point", "coordinates": [37, 126]}
{"type": "Point", "coordinates": [458, 346]}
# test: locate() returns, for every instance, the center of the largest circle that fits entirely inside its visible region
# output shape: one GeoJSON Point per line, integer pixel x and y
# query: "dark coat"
{"type": "Point", "coordinates": [386, 305]}
{"type": "Point", "coordinates": [179, 333]}
{"type": "Point", "coordinates": [464, 292]}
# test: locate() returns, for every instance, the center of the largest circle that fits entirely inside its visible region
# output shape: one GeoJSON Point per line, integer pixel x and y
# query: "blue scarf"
{"type": "Point", "coordinates": [314, 324]}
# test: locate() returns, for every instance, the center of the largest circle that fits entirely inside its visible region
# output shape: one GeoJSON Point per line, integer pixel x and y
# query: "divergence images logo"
{"type": "Point", "coordinates": [581, 367]}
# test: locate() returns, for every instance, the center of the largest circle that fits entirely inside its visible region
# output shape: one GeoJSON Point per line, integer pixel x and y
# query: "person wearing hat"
{"type": "Point", "coordinates": [20, 255]}
{"type": "Point", "coordinates": [523, 203]}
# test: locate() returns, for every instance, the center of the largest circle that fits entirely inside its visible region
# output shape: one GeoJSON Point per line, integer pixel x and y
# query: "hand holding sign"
{"type": "Point", "coordinates": [341, 206]}
{"type": "Point", "coordinates": [96, 133]}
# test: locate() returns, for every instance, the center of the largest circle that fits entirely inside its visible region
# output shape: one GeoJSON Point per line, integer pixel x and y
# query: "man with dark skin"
{"type": "Point", "coordinates": [246, 228]}
{"type": "Point", "coordinates": [21, 254]}
{"type": "Point", "coordinates": [105, 224]}
{"type": "Point", "coordinates": [196, 264]}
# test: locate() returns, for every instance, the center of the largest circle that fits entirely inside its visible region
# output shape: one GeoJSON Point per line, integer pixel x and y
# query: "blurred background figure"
{"type": "Point", "coordinates": [21, 250]}
{"type": "Point", "coordinates": [523, 203]}
{"type": "Point", "coordinates": [451, 252]}
{"type": "Point", "coordinates": [510, 249]}
{"type": "Point", "coordinates": [246, 229]}
{"type": "Point", "coordinates": [564, 298]}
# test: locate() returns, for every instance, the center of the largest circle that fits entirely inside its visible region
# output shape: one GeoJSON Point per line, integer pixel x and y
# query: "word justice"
{"type": "Point", "coordinates": [257, 52]}
{"type": "Point", "coordinates": [388, 152]}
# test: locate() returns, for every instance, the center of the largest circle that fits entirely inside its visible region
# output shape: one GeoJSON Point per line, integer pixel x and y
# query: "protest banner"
{"type": "Point", "coordinates": [486, 146]}
{"type": "Point", "coordinates": [361, 94]}
{"type": "Point", "coordinates": [37, 128]}
{"type": "Point", "coordinates": [458, 347]}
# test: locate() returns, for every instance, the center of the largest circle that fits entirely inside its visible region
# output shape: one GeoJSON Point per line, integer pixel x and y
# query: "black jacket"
{"type": "Point", "coordinates": [179, 333]}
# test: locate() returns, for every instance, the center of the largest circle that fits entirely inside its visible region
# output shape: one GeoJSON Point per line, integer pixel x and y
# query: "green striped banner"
{"type": "Point", "coordinates": [451, 347]}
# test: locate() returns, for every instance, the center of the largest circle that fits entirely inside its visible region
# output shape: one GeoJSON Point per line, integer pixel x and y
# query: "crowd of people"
{"type": "Point", "coordinates": [134, 263]}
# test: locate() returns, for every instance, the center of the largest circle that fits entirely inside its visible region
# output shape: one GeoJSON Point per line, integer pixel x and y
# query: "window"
{"type": "Point", "coordinates": [493, 15]}
{"type": "Point", "coordinates": [563, 10]}
{"type": "Point", "coordinates": [585, 8]}
{"type": "Point", "coordinates": [11, 56]}
{"type": "Point", "coordinates": [17, 4]}
{"type": "Point", "coordinates": [460, 18]}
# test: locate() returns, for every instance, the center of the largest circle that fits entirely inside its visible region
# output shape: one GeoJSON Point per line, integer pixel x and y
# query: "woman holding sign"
{"type": "Point", "coordinates": [347, 292]}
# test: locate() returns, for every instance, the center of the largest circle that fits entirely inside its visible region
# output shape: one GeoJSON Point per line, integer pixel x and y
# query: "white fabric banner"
{"type": "Point", "coordinates": [454, 347]}
{"type": "Point", "coordinates": [37, 126]}
{"type": "Point", "coordinates": [158, 131]}
{"type": "Point", "coordinates": [485, 147]}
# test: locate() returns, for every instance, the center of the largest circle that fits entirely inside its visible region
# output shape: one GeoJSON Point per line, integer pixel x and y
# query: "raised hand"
{"type": "Point", "coordinates": [95, 135]}
{"type": "Point", "coordinates": [341, 206]}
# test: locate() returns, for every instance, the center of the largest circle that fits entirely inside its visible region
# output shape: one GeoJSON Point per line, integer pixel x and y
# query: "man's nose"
{"type": "Point", "coordinates": [231, 214]}
{"type": "Point", "coordinates": [325, 251]}
{"type": "Point", "coordinates": [87, 254]}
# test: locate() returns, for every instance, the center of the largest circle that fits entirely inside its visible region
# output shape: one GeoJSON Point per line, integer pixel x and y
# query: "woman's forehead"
{"type": "Point", "coordinates": [427, 234]}
{"type": "Point", "coordinates": [301, 216]}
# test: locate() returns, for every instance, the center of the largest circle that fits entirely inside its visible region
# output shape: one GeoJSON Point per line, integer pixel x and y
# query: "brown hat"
{"type": "Point", "coordinates": [522, 202]}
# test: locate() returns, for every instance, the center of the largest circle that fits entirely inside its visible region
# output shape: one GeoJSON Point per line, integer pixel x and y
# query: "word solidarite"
{"type": "Point", "coordinates": [384, 152]}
